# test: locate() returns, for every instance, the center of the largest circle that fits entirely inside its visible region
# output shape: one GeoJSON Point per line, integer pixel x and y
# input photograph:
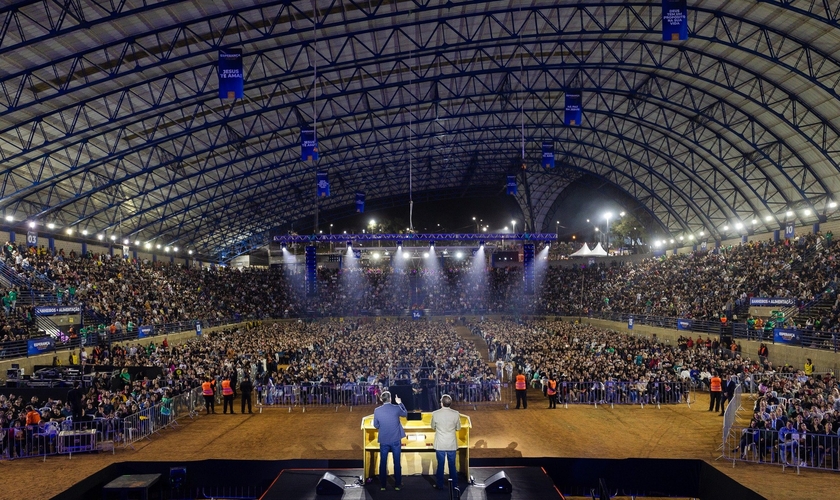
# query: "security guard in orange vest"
{"type": "Point", "coordinates": [227, 394]}
{"type": "Point", "coordinates": [208, 388]}
{"type": "Point", "coordinates": [551, 391]}
{"type": "Point", "coordinates": [715, 394]}
{"type": "Point", "coordinates": [521, 391]}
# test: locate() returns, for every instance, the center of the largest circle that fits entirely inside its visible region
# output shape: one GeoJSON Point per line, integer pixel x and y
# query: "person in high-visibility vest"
{"type": "Point", "coordinates": [208, 390]}
{"type": "Point", "coordinates": [227, 394]}
{"type": "Point", "coordinates": [715, 394]}
{"type": "Point", "coordinates": [521, 391]}
{"type": "Point", "coordinates": [551, 391]}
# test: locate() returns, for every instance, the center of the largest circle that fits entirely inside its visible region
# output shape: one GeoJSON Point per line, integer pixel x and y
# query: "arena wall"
{"type": "Point", "coordinates": [780, 355]}
{"type": "Point", "coordinates": [46, 359]}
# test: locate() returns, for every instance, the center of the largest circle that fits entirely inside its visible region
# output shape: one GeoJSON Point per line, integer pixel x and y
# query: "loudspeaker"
{"type": "Point", "coordinates": [498, 483]}
{"type": "Point", "coordinates": [330, 485]}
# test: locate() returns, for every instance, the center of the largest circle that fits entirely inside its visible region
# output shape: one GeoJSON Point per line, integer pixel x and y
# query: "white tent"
{"type": "Point", "coordinates": [583, 252]}
{"type": "Point", "coordinates": [598, 251]}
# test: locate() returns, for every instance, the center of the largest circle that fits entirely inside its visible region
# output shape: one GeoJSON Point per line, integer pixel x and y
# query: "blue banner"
{"type": "Point", "coordinates": [511, 184]}
{"type": "Point", "coordinates": [198, 328]}
{"type": "Point", "coordinates": [231, 79]}
{"type": "Point", "coordinates": [790, 228]}
{"type": "Point", "coordinates": [417, 314]}
{"type": "Point", "coordinates": [703, 246]}
{"type": "Point", "coordinates": [684, 324]}
{"type": "Point", "coordinates": [772, 301]}
{"type": "Point", "coordinates": [786, 336]}
{"type": "Point", "coordinates": [574, 113]}
{"type": "Point", "coordinates": [323, 184]}
{"type": "Point", "coordinates": [308, 145]}
{"type": "Point", "coordinates": [630, 323]}
{"type": "Point", "coordinates": [145, 331]}
{"type": "Point", "coordinates": [674, 20]}
{"type": "Point", "coordinates": [57, 310]}
{"type": "Point", "coordinates": [357, 254]}
{"type": "Point", "coordinates": [548, 155]}
{"type": "Point", "coordinates": [39, 346]}
{"type": "Point", "coordinates": [360, 202]}
{"type": "Point", "coordinates": [31, 239]}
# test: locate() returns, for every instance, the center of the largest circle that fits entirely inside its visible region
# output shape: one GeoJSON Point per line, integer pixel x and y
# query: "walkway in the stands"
{"type": "Point", "coordinates": [672, 431]}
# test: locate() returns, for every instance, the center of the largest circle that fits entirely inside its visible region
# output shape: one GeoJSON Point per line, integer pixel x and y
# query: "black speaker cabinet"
{"type": "Point", "coordinates": [498, 483]}
{"type": "Point", "coordinates": [330, 485]}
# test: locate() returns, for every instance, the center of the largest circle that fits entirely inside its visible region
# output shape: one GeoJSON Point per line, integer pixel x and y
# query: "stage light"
{"type": "Point", "coordinates": [69, 230]}
{"type": "Point", "coordinates": [739, 225]}
{"type": "Point", "coordinates": [50, 226]}
{"type": "Point", "coordinates": [31, 225]}
{"type": "Point", "coordinates": [432, 246]}
{"type": "Point", "coordinates": [113, 238]}
{"type": "Point", "coordinates": [807, 211]}
{"type": "Point", "coordinates": [100, 237]}
{"type": "Point", "coordinates": [189, 252]}
{"type": "Point", "coordinates": [175, 249]}
{"type": "Point", "coordinates": [691, 237]}
{"type": "Point", "coordinates": [832, 204]}
{"type": "Point", "coordinates": [148, 246]}
{"type": "Point", "coordinates": [9, 218]}
{"type": "Point", "coordinates": [481, 243]}
{"type": "Point", "coordinates": [137, 243]}
{"type": "Point", "coordinates": [726, 228]}
{"type": "Point", "coordinates": [84, 232]}
{"type": "Point", "coordinates": [349, 244]}
{"type": "Point", "coordinates": [789, 213]}
{"type": "Point", "coordinates": [387, 253]}
{"type": "Point", "coordinates": [375, 255]}
{"type": "Point", "coordinates": [406, 255]}
{"type": "Point", "coordinates": [125, 241]}
{"type": "Point", "coordinates": [768, 218]}
{"type": "Point", "coordinates": [166, 249]}
{"type": "Point", "coordinates": [426, 255]}
{"type": "Point", "coordinates": [157, 246]}
{"type": "Point", "coordinates": [459, 255]}
{"type": "Point", "coordinates": [283, 245]}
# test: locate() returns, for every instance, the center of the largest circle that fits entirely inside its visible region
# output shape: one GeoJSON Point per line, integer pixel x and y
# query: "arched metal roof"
{"type": "Point", "coordinates": [110, 119]}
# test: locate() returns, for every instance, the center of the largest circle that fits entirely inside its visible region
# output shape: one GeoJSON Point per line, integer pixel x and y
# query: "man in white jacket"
{"type": "Point", "coordinates": [446, 422]}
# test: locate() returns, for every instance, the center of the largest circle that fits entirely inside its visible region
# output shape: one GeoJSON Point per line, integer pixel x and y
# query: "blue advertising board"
{"type": "Point", "coordinates": [198, 328]}
{"type": "Point", "coordinates": [786, 336]}
{"type": "Point", "coordinates": [57, 310]}
{"type": "Point", "coordinates": [684, 324]}
{"type": "Point", "coordinates": [417, 314]}
{"type": "Point", "coordinates": [630, 323]}
{"type": "Point", "coordinates": [40, 346]}
{"type": "Point", "coordinates": [145, 331]}
{"type": "Point", "coordinates": [772, 301]}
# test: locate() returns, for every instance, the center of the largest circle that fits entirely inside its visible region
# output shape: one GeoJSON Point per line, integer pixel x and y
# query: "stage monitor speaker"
{"type": "Point", "coordinates": [498, 483]}
{"type": "Point", "coordinates": [330, 485]}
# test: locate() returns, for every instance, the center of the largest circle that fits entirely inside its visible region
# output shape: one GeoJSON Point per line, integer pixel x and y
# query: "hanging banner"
{"type": "Point", "coordinates": [511, 185]}
{"type": "Point", "coordinates": [790, 227]}
{"type": "Point", "coordinates": [198, 328]}
{"type": "Point", "coordinates": [574, 112]}
{"type": "Point", "coordinates": [703, 246]}
{"type": "Point", "coordinates": [323, 184]}
{"type": "Point", "coordinates": [684, 324]}
{"type": "Point", "coordinates": [630, 323]}
{"type": "Point", "coordinates": [786, 336]}
{"type": "Point", "coordinates": [39, 346]}
{"type": "Point", "coordinates": [548, 155]}
{"type": "Point", "coordinates": [145, 331]}
{"type": "Point", "coordinates": [308, 145]}
{"type": "Point", "coordinates": [674, 20]}
{"type": "Point", "coordinates": [360, 202]}
{"type": "Point", "coordinates": [772, 301]}
{"type": "Point", "coordinates": [231, 81]}
{"type": "Point", "coordinates": [31, 239]}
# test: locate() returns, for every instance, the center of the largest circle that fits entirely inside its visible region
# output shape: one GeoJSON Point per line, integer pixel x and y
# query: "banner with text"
{"type": "Point", "coordinates": [231, 81]}
{"type": "Point", "coordinates": [39, 346]}
{"type": "Point", "coordinates": [511, 185]}
{"type": "Point", "coordinates": [31, 239]}
{"type": "Point", "coordinates": [323, 184]}
{"type": "Point", "coordinates": [786, 336]}
{"type": "Point", "coordinates": [360, 202]}
{"type": "Point", "coordinates": [145, 331]}
{"type": "Point", "coordinates": [772, 301]}
{"type": "Point", "coordinates": [57, 310]}
{"type": "Point", "coordinates": [198, 328]}
{"type": "Point", "coordinates": [548, 155]}
{"type": "Point", "coordinates": [684, 324]}
{"type": "Point", "coordinates": [308, 145]}
{"type": "Point", "coordinates": [674, 20]}
{"type": "Point", "coordinates": [573, 111]}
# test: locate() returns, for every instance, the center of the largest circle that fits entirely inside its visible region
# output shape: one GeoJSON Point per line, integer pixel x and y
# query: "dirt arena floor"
{"type": "Point", "coordinates": [579, 431]}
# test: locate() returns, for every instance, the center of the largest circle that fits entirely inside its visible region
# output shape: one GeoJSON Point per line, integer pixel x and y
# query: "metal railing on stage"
{"type": "Point", "coordinates": [94, 434]}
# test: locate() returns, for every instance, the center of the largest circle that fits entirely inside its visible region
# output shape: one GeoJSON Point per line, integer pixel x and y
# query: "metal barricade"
{"type": "Point", "coordinates": [623, 392]}
{"type": "Point", "coordinates": [317, 395]}
{"type": "Point", "coordinates": [800, 450]}
{"type": "Point", "coordinates": [58, 438]}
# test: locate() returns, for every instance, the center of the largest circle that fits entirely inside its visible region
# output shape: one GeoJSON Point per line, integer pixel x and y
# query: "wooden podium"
{"type": "Point", "coordinates": [418, 452]}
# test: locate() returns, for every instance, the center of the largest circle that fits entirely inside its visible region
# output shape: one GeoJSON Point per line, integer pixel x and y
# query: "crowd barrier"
{"type": "Point", "coordinates": [623, 393]}
{"type": "Point", "coordinates": [97, 434]}
{"type": "Point", "coordinates": [801, 450]}
{"type": "Point", "coordinates": [362, 394]}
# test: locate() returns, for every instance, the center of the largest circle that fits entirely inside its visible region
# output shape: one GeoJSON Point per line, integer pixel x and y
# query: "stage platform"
{"type": "Point", "coordinates": [299, 484]}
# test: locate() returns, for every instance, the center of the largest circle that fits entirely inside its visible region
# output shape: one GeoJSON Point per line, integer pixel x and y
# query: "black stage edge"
{"type": "Point", "coordinates": [532, 478]}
